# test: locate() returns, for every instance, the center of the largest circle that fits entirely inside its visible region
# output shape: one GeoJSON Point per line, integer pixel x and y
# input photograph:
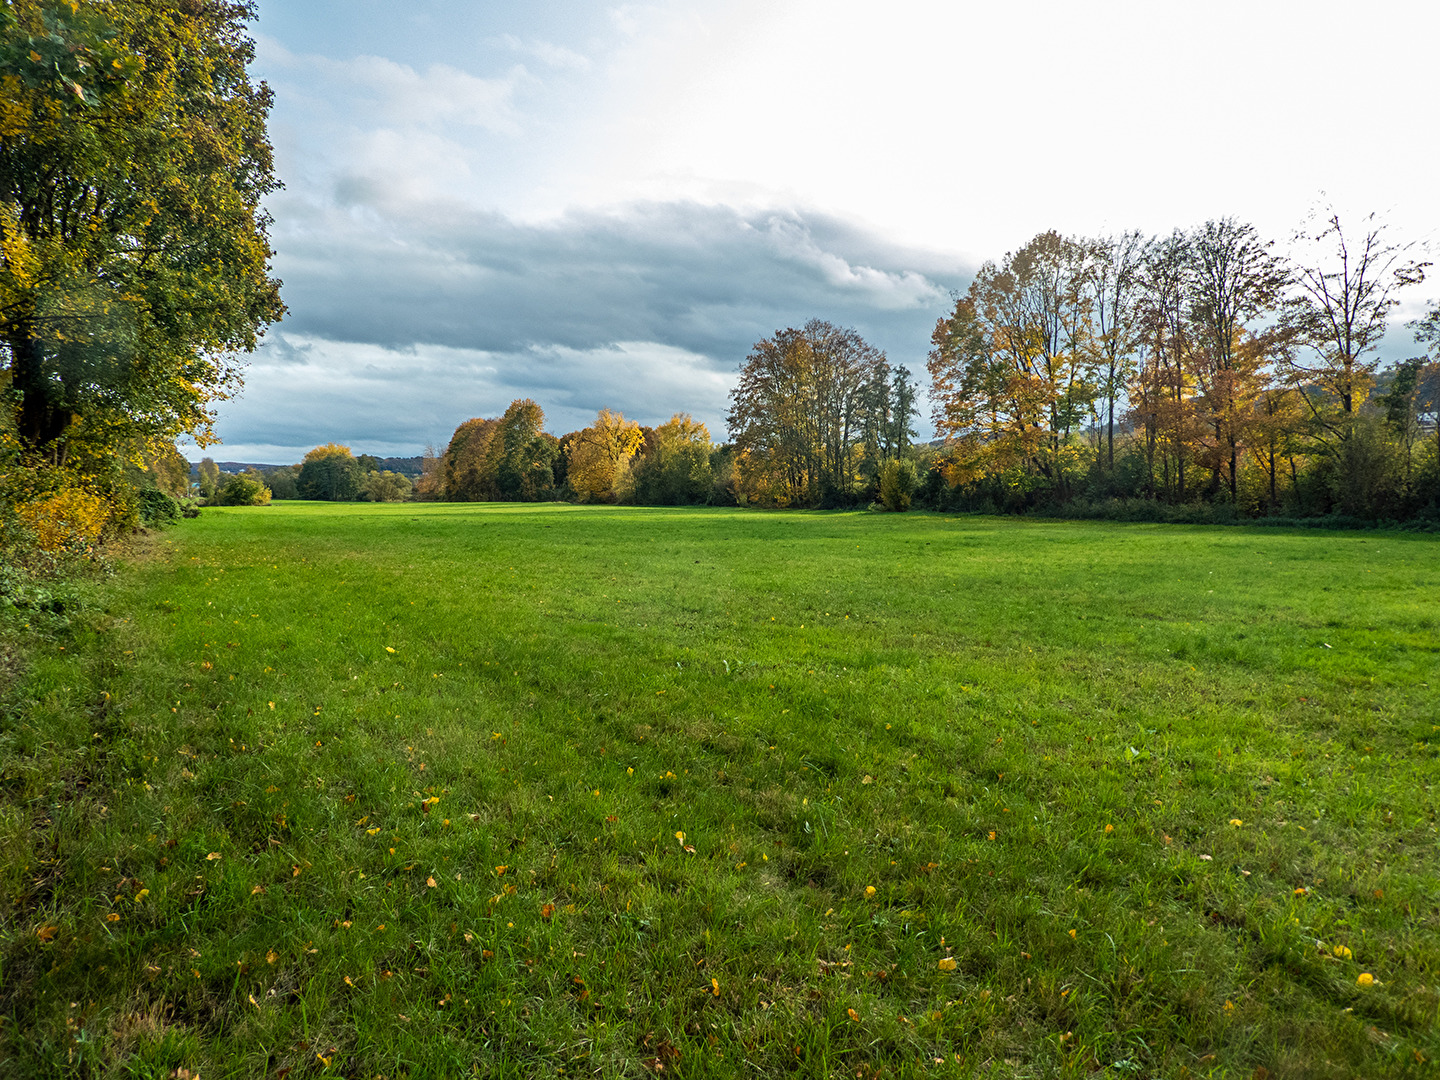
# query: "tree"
{"type": "Point", "coordinates": [599, 452]}
{"type": "Point", "coordinates": [330, 472]}
{"type": "Point", "coordinates": [282, 482]}
{"type": "Point", "coordinates": [800, 410]}
{"type": "Point", "coordinates": [382, 485]}
{"type": "Point", "coordinates": [897, 484]}
{"type": "Point", "coordinates": [1347, 294]}
{"type": "Point", "coordinates": [1236, 280]}
{"type": "Point", "coordinates": [675, 468]}
{"type": "Point", "coordinates": [1115, 269]}
{"type": "Point", "coordinates": [243, 490]}
{"type": "Point", "coordinates": [506, 458]}
{"type": "Point", "coordinates": [1011, 369]}
{"type": "Point", "coordinates": [463, 467]}
{"type": "Point", "coordinates": [166, 469]}
{"type": "Point", "coordinates": [209, 477]}
{"type": "Point", "coordinates": [134, 256]}
{"type": "Point", "coordinates": [1427, 332]}
{"type": "Point", "coordinates": [519, 459]}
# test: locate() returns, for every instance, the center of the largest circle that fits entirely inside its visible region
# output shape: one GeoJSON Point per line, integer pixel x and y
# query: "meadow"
{"type": "Point", "coordinates": [543, 790]}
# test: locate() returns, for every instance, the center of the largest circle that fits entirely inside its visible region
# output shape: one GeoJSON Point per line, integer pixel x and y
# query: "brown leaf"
{"type": "Point", "coordinates": [547, 911]}
{"type": "Point", "coordinates": [47, 933]}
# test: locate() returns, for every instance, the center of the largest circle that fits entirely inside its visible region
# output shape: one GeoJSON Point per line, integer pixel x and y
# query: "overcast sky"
{"type": "Point", "coordinates": [605, 205]}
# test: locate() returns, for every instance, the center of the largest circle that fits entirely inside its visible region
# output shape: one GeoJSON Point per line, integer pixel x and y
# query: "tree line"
{"type": "Point", "coordinates": [1199, 375]}
{"type": "Point", "coordinates": [1199, 368]}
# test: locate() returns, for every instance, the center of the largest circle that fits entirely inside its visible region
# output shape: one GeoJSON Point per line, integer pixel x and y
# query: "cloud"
{"type": "Point", "coordinates": [387, 400]}
{"type": "Point", "coordinates": [548, 53]}
{"type": "Point", "coordinates": [707, 279]}
{"type": "Point", "coordinates": [414, 304]}
{"type": "Point", "coordinates": [376, 91]}
{"type": "Point", "coordinates": [408, 318]}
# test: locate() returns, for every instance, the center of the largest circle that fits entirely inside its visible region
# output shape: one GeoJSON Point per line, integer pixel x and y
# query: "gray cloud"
{"type": "Point", "coordinates": [412, 310]}
{"type": "Point", "coordinates": [409, 318]}
{"type": "Point", "coordinates": [708, 279]}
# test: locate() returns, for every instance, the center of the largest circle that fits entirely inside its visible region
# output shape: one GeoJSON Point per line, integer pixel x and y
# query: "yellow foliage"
{"type": "Point", "coordinates": [66, 518]}
{"type": "Point", "coordinates": [600, 451]}
{"type": "Point", "coordinates": [327, 451]}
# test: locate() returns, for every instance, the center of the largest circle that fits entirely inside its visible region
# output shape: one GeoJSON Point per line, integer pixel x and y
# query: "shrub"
{"type": "Point", "coordinates": [243, 491]}
{"type": "Point", "coordinates": [897, 484]}
{"type": "Point", "coordinates": [71, 519]}
{"type": "Point", "coordinates": [156, 508]}
{"type": "Point", "coordinates": [385, 486]}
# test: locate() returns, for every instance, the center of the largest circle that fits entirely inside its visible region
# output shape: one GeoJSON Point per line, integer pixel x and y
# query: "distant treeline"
{"type": "Point", "coordinates": [1198, 376]}
{"type": "Point", "coordinates": [330, 472]}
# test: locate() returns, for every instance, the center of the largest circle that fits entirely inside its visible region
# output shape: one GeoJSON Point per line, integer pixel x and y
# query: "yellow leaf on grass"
{"type": "Point", "coordinates": [947, 963]}
{"type": "Point", "coordinates": [1342, 952]}
{"type": "Point", "coordinates": [547, 911]}
{"type": "Point", "coordinates": [212, 856]}
{"type": "Point", "coordinates": [47, 933]}
{"type": "Point", "coordinates": [271, 956]}
{"type": "Point", "coordinates": [869, 890]}
{"type": "Point", "coordinates": [257, 890]}
{"type": "Point", "coordinates": [112, 917]}
{"type": "Point", "coordinates": [430, 882]}
{"type": "Point", "coordinates": [854, 1016]}
{"type": "Point", "coordinates": [389, 649]}
{"type": "Point", "coordinates": [715, 987]}
{"type": "Point", "coordinates": [372, 832]}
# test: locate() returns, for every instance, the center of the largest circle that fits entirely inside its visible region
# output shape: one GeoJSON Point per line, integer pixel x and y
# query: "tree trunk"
{"type": "Point", "coordinates": [40, 421]}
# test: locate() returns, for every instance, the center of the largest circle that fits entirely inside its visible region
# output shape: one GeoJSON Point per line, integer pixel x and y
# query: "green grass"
{"type": "Point", "coordinates": [265, 841]}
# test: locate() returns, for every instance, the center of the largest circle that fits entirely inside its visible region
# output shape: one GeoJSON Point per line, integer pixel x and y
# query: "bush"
{"type": "Point", "coordinates": [897, 484]}
{"type": "Point", "coordinates": [385, 486]}
{"type": "Point", "coordinates": [243, 491]}
{"type": "Point", "coordinates": [156, 508]}
{"type": "Point", "coordinates": [71, 519]}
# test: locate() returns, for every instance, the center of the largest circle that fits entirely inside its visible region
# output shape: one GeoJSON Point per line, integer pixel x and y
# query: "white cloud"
{"type": "Point", "coordinates": [547, 52]}
{"type": "Point", "coordinates": [393, 401]}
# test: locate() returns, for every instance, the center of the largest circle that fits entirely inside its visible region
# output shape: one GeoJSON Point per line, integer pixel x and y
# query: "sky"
{"type": "Point", "coordinates": [600, 205]}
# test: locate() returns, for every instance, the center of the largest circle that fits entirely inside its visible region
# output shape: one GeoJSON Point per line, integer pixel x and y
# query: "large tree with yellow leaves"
{"type": "Point", "coordinates": [134, 255]}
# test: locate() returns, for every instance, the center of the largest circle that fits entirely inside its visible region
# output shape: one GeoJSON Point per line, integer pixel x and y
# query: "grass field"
{"type": "Point", "coordinates": [427, 790]}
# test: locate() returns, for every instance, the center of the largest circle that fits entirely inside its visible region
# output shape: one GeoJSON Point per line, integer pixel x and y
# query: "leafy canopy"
{"type": "Point", "coordinates": [134, 255]}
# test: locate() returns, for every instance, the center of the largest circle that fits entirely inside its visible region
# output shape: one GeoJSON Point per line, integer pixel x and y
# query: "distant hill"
{"type": "Point", "coordinates": [406, 466]}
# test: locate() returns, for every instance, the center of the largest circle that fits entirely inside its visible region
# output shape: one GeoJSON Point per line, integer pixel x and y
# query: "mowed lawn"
{"type": "Point", "coordinates": [430, 790]}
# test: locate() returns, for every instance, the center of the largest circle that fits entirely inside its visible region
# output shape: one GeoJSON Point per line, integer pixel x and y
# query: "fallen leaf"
{"type": "Point", "coordinates": [947, 963]}
{"type": "Point", "coordinates": [212, 856]}
{"type": "Point", "coordinates": [854, 1016]}
{"type": "Point", "coordinates": [47, 933]}
{"type": "Point", "coordinates": [547, 911]}
{"type": "Point", "coordinates": [430, 881]}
